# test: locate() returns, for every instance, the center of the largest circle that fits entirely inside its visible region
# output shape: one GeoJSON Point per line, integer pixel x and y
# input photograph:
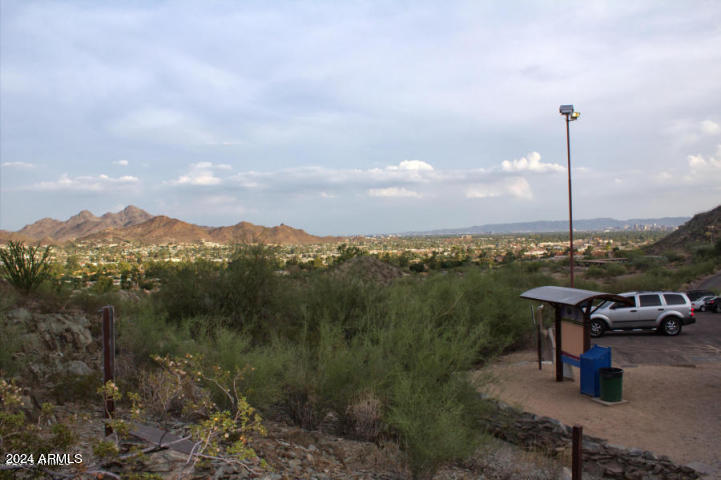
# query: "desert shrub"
{"type": "Point", "coordinates": [103, 284]}
{"type": "Point", "coordinates": [243, 291]}
{"type": "Point", "coordinates": [90, 301]}
{"type": "Point", "coordinates": [365, 417]}
{"type": "Point", "coordinates": [438, 424]}
{"type": "Point", "coordinates": [417, 267]}
{"type": "Point", "coordinates": [19, 434]}
{"type": "Point", "coordinates": [164, 393]}
{"type": "Point", "coordinates": [586, 284]}
{"type": "Point", "coordinates": [24, 267]}
{"type": "Point", "coordinates": [607, 271]}
{"type": "Point", "coordinates": [146, 333]}
{"type": "Point", "coordinates": [595, 271]}
{"type": "Point", "coordinates": [388, 361]}
{"type": "Point", "coordinates": [76, 388]}
{"type": "Point", "coordinates": [189, 289]}
{"type": "Point", "coordinates": [248, 286]}
{"type": "Point", "coordinates": [673, 257]}
{"type": "Point", "coordinates": [640, 282]}
{"type": "Point", "coordinates": [615, 270]}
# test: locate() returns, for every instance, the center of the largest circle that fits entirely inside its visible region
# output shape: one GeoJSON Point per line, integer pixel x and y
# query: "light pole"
{"type": "Point", "coordinates": [567, 111]}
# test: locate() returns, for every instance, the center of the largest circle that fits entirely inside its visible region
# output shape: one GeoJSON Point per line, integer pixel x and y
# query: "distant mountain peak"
{"type": "Point", "coordinates": [133, 224]}
{"type": "Point", "coordinates": [85, 214]}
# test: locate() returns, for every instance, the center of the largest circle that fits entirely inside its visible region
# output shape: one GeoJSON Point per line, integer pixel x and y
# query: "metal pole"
{"type": "Point", "coordinates": [577, 446]}
{"type": "Point", "coordinates": [570, 203]}
{"type": "Point", "coordinates": [108, 360]}
{"type": "Point", "coordinates": [559, 342]}
{"type": "Point", "coordinates": [539, 338]}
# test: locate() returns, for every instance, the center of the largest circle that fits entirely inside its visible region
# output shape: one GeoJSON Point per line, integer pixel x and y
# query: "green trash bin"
{"type": "Point", "coordinates": [611, 383]}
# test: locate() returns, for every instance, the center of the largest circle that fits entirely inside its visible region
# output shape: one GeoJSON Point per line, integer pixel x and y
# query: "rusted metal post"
{"type": "Point", "coordinates": [570, 203]}
{"type": "Point", "coordinates": [577, 465]}
{"type": "Point", "coordinates": [108, 360]}
{"type": "Point", "coordinates": [539, 338]}
{"type": "Point", "coordinates": [559, 343]}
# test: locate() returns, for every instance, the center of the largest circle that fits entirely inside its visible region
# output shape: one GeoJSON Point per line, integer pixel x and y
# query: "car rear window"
{"type": "Point", "coordinates": [649, 300]}
{"type": "Point", "coordinates": [672, 299]}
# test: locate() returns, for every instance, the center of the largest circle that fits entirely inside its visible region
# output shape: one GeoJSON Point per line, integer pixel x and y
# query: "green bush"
{"type": "Point", "coordinates": [388, 360]}
{"type": "Point", "coordinates": [24, 267]}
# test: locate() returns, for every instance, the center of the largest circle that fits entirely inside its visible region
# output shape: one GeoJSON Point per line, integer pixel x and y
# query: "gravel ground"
{"type": "Point", "coordinates": [671, 410]}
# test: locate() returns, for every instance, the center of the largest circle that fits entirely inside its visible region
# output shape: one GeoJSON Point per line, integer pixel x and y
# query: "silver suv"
{"type": "Point", "coordinates": [666, 312]}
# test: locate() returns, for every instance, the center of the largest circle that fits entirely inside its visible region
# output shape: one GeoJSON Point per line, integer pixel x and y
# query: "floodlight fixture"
{"type": "Point", "coordinates": [571, 115]}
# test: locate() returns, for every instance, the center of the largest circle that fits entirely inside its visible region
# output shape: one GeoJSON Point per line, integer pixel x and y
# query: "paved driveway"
{"type": "Point", "coordinates": [697, 343]}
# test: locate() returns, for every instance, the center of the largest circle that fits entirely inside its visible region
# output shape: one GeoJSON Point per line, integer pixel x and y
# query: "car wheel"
{"type": "Point", "coordinates": [718, 308]}
{"type": "Point", "coordinates": [671, 326]}
{"type": "Point", "coordinates": [597, 327]}
{"type": "Point", "coordinates": [701, 308]}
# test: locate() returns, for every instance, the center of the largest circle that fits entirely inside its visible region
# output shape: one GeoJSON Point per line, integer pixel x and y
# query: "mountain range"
{"type": "Point", "coordinates": [138, 226]}
{"type": "Point", "coordinates": [135, 225]}
{"type": "Point", "coordinates": [548, 226]}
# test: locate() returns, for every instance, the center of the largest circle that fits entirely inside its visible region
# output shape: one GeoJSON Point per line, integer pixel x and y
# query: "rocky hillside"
{"type": "Point", "coordinates": [83, 224]}
{"type": "Point", "coordinates": [702, 228]}
{"type": "Point", "coordinates": [138, 226]}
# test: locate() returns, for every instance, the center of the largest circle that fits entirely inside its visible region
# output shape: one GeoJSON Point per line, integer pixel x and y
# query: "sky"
{"type": "Point", "coordinates": [359, 117]}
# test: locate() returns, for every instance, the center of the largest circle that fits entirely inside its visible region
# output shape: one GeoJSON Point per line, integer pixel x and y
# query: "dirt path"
{"type": "Point", "coordinates": [672, 410]}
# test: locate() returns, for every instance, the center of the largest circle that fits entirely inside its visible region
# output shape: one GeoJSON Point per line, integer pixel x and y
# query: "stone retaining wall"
{"type": "Point", "coordinates": [599, 457]}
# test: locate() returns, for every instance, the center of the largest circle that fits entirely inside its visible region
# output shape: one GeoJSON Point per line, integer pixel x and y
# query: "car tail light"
{"type": "Point", "coordinates": [692, 310]}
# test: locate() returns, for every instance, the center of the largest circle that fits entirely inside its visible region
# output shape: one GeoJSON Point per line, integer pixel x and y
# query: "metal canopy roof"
{"type": "Point", "coordinates": [568, 296]}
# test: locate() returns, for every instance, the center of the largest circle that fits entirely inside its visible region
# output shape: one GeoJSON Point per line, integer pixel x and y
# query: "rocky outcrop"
{"type": "Point", "coordinates": [53, 345]}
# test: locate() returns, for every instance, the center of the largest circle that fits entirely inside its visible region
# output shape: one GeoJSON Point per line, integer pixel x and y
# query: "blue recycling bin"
{"type": "Point", "coordinates": [591, 361]}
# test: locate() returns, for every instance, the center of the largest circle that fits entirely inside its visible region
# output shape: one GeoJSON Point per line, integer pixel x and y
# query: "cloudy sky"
{"type": "Point", "coordinates": [359, 116]}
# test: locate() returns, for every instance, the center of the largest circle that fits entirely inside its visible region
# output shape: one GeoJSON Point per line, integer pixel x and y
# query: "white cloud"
{"type": "Point", "coordinates": [710, 127]}
{"type": "Point", "coordinates": [517, 187]}
{"type": "Point", "coordinates": [86, 183]}
{"type": "Point", "coordinates": [531, 162]}
{"type": "Point", "coordinates": [122, 163]}
{"type": "Point", "coordinates": [18, 165]}
{"type": "Point", "coordinates": [412, 165]}
{"type": "Point", "coordinates": [409, 179]}
{"type": "Point", "coordinates": [393, 192]}
{"type": "Point", "coordinates": [201, 173]}
{"type": "Point", "coordinates": [699, 162]}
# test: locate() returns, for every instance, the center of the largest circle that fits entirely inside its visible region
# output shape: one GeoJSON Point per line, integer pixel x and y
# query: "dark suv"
{"type": "Point", "coordinates": [713, 305]}
{"type": "Point", "coordinates": [696, 294]}
{"type": "Point", "coordinates": [665, 312]}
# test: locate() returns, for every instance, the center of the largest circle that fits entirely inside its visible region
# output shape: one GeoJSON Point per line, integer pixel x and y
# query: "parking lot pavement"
{"type": "Point", "coordinates": [697, 343]}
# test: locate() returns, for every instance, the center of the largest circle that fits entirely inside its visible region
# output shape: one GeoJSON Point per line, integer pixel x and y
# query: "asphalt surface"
{"type": "Point", "coordinates": [697, 343]}
{"type": "Point", "coordinates": [712, 282]}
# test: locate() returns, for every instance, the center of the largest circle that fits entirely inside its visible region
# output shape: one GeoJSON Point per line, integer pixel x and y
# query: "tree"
{"type": "Point", "coordinates": [24, 267]}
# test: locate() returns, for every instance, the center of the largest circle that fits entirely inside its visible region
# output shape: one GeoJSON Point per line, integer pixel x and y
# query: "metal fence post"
{"type": "Point", "coordinates": [108, 360]}
{"type": "Point", "coordinates": [577, 466]}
